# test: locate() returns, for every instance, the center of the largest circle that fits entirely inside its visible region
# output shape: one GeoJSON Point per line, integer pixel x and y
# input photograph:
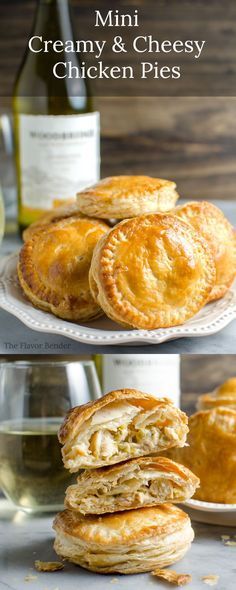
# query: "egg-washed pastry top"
{"type": "Point", "coordinates": [54, 264]}
{"type": "Point", "coordinates": [153, 271]}
{"type": "Point", "coordinates": [127, 542]}
{"type": "Point", "coordinates": [146, 481]}
{"type": "Point", "coordinates": [69, 209]}
{"type": "Point", "coordinates": [120, 197]}
{"type": "Point", "coordinates": [210, 221]}
{"type": "Point", "coordinates": [211, 454]}
{"type": "Point", "coordinates": [120, 425]}
{"type": "Point", "coordinates": [224, 395]}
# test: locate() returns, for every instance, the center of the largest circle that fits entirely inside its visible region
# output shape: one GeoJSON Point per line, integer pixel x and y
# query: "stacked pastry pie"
{"type": "Point", "coordinates": [156, 268]}
{"type": "Point", "coordinates": [120, 515]}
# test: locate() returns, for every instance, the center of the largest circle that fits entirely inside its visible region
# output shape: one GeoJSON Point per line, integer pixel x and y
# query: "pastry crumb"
{"type": "Point", "coordinates": [30, 578]}
{"type": "Point", "coordinates": [172, 577]}
{"type": "Point", "coordinates": [48, 566]}
{"type": "Point", "coordinates": [114, 581]}
{"type": "Point", "coordinates": [229, 540]}
{"type": "Point", "coordinates": [211, 579]}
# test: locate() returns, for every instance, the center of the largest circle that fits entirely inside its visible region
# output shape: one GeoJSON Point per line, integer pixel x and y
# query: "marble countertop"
{"type": "Point", "coordinates": [16, 338]}
{"type": "Point", "coordinates": [25, 538]}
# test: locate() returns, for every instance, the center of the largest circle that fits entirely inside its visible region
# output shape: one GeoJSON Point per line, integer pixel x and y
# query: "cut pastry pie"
{"type": "Point", "coordinates": [119, 426]}
{"type": "Point", "coordinates": [211, 454]}
{"type": "Point", "coordinates": [146, 481]}
{"type": "Point", "coordinates": [220, 236]}
{"type": "Point", "coordinates": [69, 209]}
{"type": "Point", "coordinates": [126, 542]}
{"type": "Point", "coordinates": [152, 271]}
{"type": "Point", "coordinates": [120, 197]}
{"type": "Point", "coordinates": [54, 264]}
{"type": "Point", "coordinates": [225, 395]}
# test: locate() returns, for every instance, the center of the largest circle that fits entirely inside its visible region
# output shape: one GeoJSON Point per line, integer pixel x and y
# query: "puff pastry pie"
{"type": "Point", "coordinates": [54, 264]}
{"type": "Point", "coordinates": [211, 454]}
{"type": "Point", "coordinates": [225, 395]}
{"type": "Point", "coordinates": [220, 236]}
{"type": "Point", "coordinates": [67, 210]}
{"type": "Point", "coordinates": [146, 481]}
{"type": "Point", "coordinates": [120, 197]}
{"type": "Point", "coordinates": [152, 271]}
{"type": "Point", "coordinates": [119, 426]}
{"type": "Point", "coordinates": [126, 542]}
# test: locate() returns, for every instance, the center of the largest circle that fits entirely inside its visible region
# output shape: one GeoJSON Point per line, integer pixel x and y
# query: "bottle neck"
{"type": "Point", "coordinates": [53, 19]}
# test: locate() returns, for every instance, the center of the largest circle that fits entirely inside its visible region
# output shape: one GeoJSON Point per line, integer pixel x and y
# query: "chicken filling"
{"type": "Point", "coordinates": [122, 430]}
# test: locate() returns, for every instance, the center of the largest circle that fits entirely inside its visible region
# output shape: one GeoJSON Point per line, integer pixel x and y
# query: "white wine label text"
{"type": "Point", "coordinates": [60, 155]}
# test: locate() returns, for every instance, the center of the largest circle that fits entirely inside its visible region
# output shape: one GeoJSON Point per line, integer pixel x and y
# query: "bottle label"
{"type": "Point", "coordinates": [151, 373]}
{"type": "Point", "coordinates": [59, 156]}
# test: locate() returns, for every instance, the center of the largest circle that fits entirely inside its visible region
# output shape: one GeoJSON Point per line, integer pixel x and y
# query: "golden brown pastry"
{"type": "Point", "coordinates": [220, 236]}
{"type": "Point", "coordinates": [152, 271]}
{"type": "Point", "coordinates": [119, 426]}
{"type": "Point", "coordinates": [146, 481]}
{"type": "Point", "coordinates": [225, 395]}
{"type": "Point", "coordinates": [211, 454]}
{"type": "Point", "coordinates": [54, 264]}
{"type": "Point", "coordinates": [120, 197]}
{"type": "Point", "coordinates": [69, 209]}
{"type": "Point", "coordinates": [126, 542]}
{"type": "Point", "coordinates": [227, 387]}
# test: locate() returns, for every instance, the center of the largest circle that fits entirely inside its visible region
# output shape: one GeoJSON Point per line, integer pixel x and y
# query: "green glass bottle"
{"type": "Point", "coordinates": [57, 133]}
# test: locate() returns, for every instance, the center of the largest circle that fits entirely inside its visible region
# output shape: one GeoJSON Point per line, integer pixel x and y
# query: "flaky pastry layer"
{"type": "Point", "coordinates": [120, 197]}
{"type": "Point", "coordinates": [68, 209]}
{"type": "Point", "coordinates": [54, 265]}
{"type": "Point", "coordinates": [219, 234]}
{"type": "Point", "coordinates": [224, 395]}
{"type": "Point", "coordinates": [126, 542]}
{"type": "Point", "coordinates": [211, 454]}
{"type": "Point", "coordinates": [120, 425]}
{"type": "Point", "coordinates": [146, 481]}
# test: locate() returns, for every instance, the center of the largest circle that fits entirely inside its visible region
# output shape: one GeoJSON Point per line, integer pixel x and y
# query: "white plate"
{"type": "Point", "coordinates": [211, 513]}
{"type": "Point", "coordinates": [211, 319]}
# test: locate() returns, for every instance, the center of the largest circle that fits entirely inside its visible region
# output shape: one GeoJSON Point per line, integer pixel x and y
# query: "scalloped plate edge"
{"type": "Point", "coordinates": [134, 337]}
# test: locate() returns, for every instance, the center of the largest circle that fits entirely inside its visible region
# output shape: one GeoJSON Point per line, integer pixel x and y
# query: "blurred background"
{"type": "Point", "coordinates": [197, 373]}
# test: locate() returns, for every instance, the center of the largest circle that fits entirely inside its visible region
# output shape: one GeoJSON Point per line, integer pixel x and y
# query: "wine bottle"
{"type": "Point", "coordinates": [151, 373]}
{"type": "Point", "coordinates": [56, 130]}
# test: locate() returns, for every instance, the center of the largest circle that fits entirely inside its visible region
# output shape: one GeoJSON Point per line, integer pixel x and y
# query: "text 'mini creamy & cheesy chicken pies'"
{"type": "Point", "coordinates": [120, 197]}
{"type": "Point", "coordinates": [128, 542]}
{"type": "Point", "coordinates": [121, 425]}
{"type": "Point", "coordinates": [152, 271]}
{"type": "Point", "coordinates": [146, 481]}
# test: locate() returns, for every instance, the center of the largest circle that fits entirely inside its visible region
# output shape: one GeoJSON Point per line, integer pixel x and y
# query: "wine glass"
{"type": "Point", "coordinates": [34, 398]}
{"type": "Point", "coordinates": [2, 217]}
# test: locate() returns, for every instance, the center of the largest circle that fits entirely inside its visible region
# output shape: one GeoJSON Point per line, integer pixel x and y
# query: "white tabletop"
{"type": "Point", "coordinates": [24, 538]}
